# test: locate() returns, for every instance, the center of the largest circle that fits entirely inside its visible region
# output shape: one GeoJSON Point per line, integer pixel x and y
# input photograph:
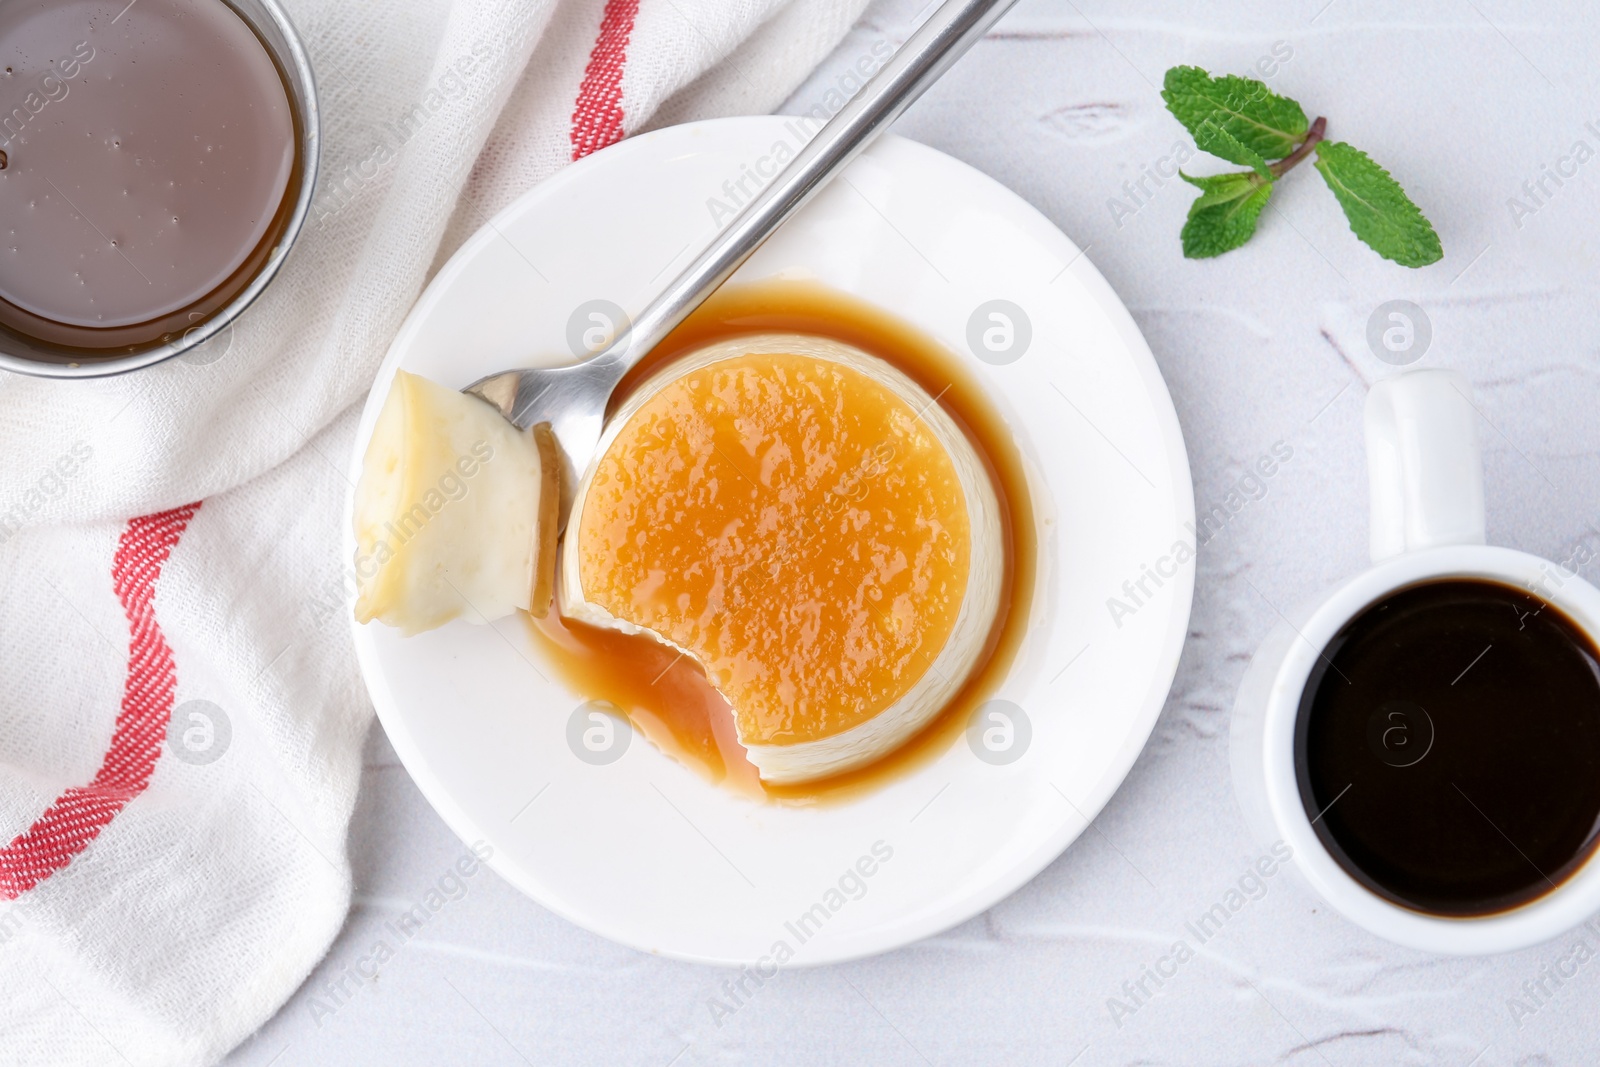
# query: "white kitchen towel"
{"type": "Point", "coordinates": [180, 716]}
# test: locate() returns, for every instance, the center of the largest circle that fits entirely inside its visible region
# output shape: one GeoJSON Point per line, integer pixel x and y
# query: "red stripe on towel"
{"type": "Point", "coordinates": [78, 815]}
{"type": "Point", "coordinates": [597, 115]}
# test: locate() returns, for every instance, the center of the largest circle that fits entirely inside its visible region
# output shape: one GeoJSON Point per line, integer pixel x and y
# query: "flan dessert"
{"type": "Point", "coordinates": [455, 512]}
{"type": "Point", "coordinates": [806, 523]}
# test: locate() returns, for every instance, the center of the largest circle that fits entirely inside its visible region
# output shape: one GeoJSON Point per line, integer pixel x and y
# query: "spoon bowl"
{"type": "Point", "coordinates": [571, 401]}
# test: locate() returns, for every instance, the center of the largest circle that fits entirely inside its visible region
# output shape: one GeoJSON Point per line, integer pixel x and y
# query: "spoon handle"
{"type": "Point", "coordinates": [930, 50]}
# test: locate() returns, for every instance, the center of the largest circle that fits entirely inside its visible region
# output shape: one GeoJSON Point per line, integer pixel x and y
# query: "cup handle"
{"type": "Point", "coordinates": [1423, 465]}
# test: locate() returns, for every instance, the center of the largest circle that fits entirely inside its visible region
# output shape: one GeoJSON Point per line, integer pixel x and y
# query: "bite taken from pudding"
{"type": "Point", "coordinates": [806, 523]}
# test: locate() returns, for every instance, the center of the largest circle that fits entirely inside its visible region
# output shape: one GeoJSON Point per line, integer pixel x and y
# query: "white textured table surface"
{"type": "Point", "coordinates": [1464, 101]}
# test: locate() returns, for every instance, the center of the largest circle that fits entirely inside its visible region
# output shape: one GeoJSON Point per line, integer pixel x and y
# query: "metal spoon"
{"type": "Point", "coordinates": [572, 400]}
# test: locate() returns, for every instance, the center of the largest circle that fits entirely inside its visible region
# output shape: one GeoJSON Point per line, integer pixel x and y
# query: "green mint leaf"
{"type": "Point", "coordinates": [1224, 217]}
{"type": "Point", "coordinates": [1239, 119]}
{"type": "Point", "coordinates": [1380, 212]}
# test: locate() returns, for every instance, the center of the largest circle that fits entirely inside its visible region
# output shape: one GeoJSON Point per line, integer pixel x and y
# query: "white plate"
{"type": "Point", "coordinates": [643, 850]}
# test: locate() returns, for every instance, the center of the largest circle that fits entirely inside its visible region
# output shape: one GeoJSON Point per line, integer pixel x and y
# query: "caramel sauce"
{"type": "Point", "coordinates": [666, 696]}
{"type": "Point", "coordinates": [138, 203]}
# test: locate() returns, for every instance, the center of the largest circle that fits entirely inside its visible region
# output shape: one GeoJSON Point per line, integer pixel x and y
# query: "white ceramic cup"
{"type": "Point", "coordinates": [1427, 523]}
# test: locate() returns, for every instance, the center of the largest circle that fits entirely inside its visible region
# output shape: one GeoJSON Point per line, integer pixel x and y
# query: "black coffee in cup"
{"type": "Point", "coordinates": [1448, 747]}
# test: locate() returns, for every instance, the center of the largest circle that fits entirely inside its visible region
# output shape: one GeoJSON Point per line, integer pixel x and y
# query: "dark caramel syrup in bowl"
{"type": "Point", "coordinates": [1448, 747]}
{"type": "Point", "coordinates": [151, 167]}
{"type": "Point", "coordinates": [667, 697]}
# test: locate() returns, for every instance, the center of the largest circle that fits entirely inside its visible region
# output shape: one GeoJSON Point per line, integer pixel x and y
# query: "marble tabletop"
{"type": "Point", "coordinates": [1472, 104]}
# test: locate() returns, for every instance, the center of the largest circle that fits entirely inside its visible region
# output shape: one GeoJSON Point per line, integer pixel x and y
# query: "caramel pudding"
{"type": "Point", "coordinates": [665, 693]}
{"type": "Point", "coordinates": [803, 521]}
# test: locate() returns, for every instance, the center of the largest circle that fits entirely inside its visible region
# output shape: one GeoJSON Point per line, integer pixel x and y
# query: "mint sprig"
{"type": "Point", "coordinates": [1244, 122]}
